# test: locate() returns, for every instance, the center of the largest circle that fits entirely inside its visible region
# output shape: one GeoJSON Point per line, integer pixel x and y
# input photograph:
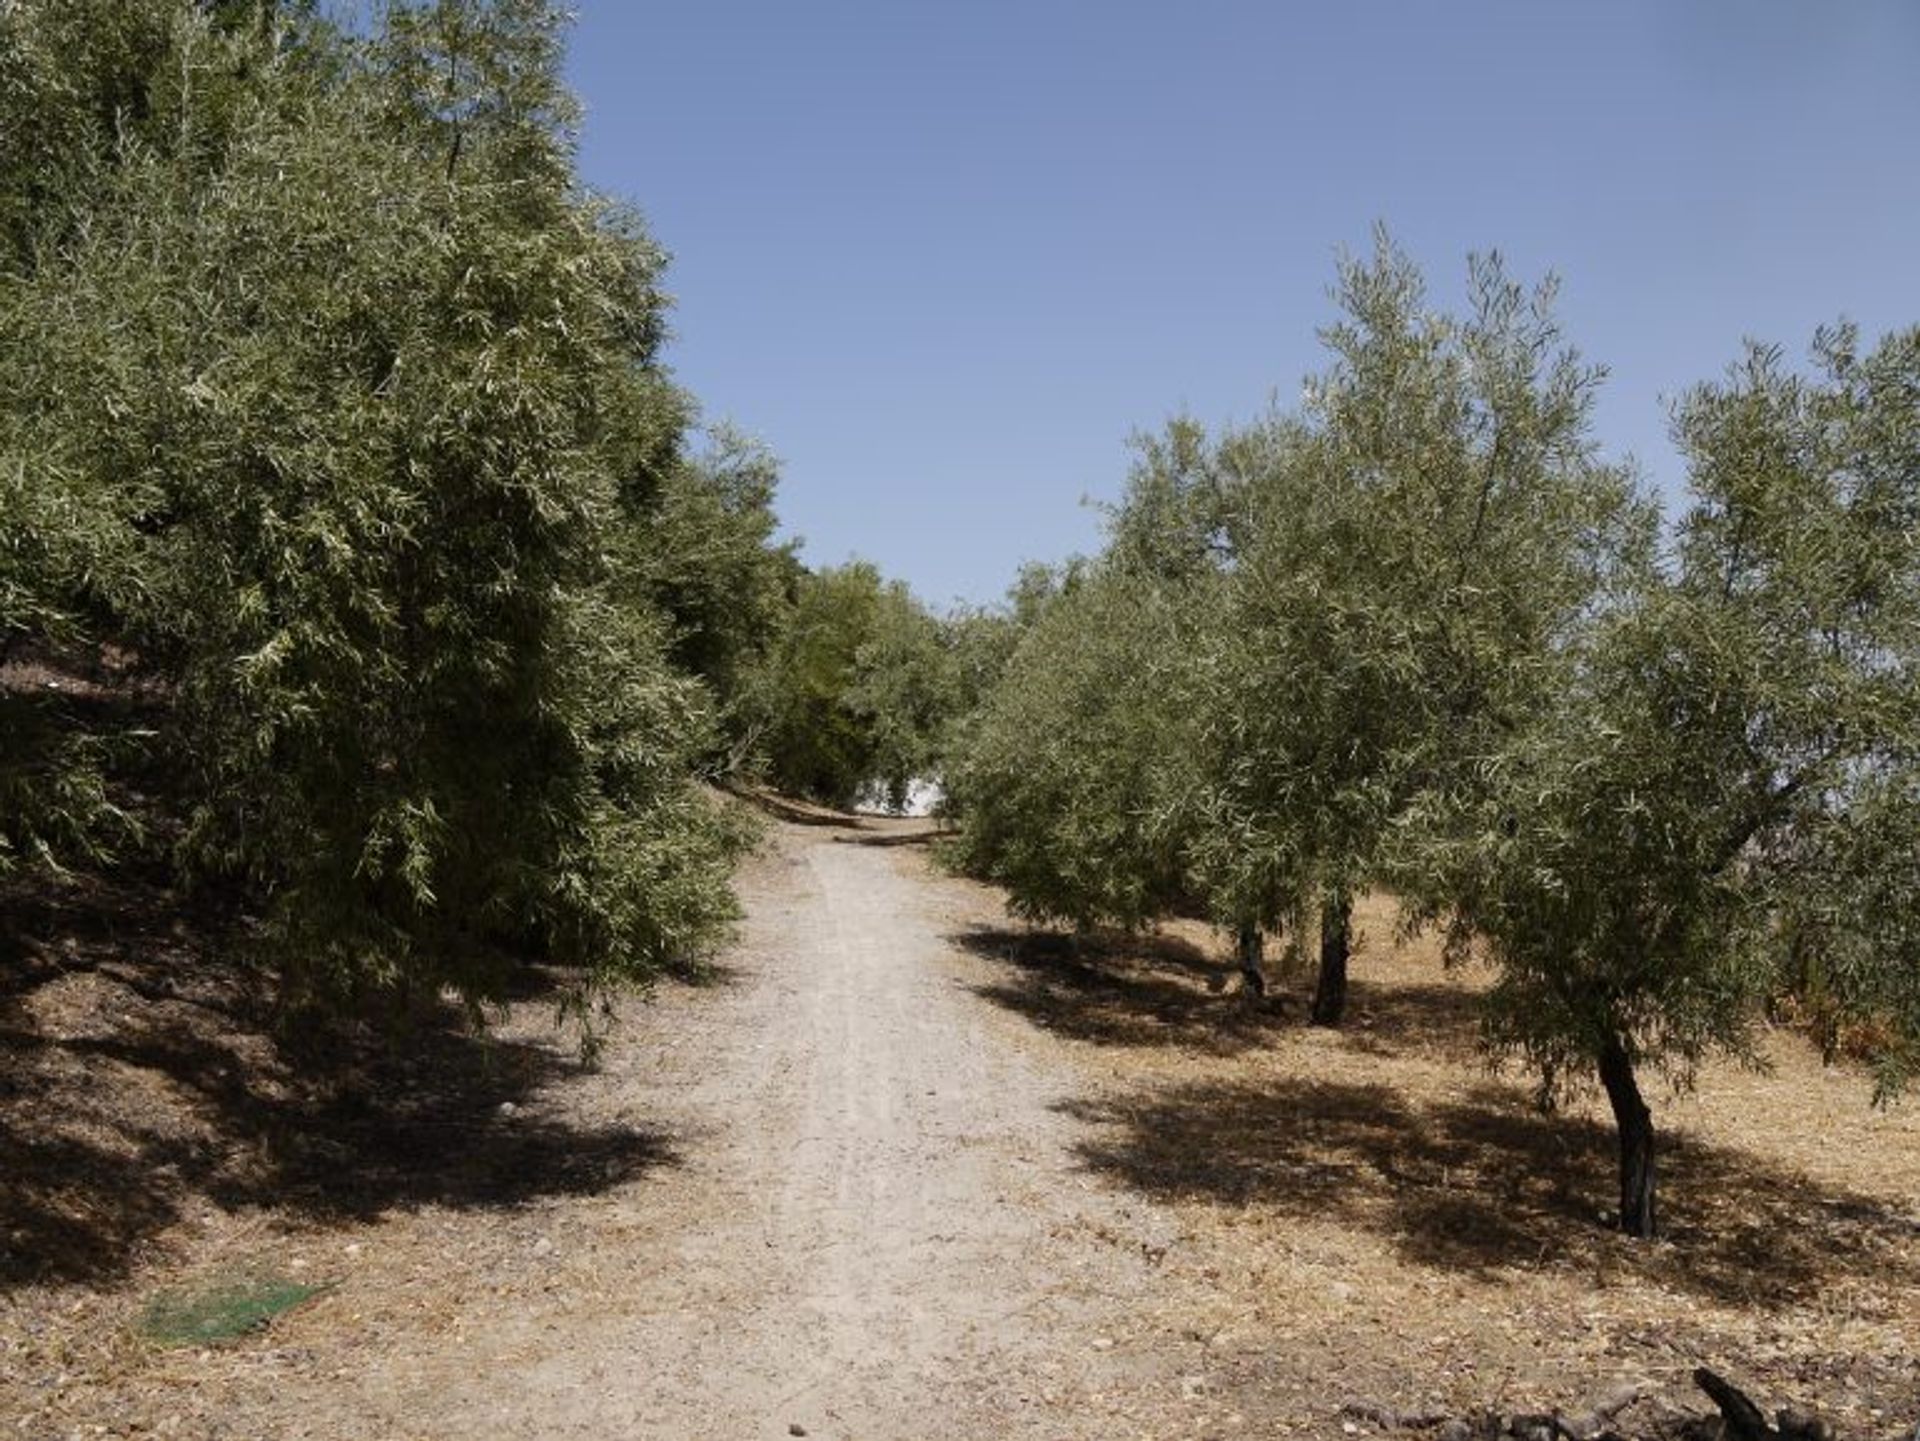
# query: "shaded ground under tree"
{"type": "Point", "coordinates": [138, 1080]}
{"type": "Point", "coordinates": [1469, 1179]}
{"type": "Point", "coordinates": [1163, 990]}
{"type": "Point", "coordinates": [1481, 1186]}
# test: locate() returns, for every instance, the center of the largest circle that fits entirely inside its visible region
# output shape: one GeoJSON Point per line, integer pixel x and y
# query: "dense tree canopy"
{"type": "Point", "coordinates": [854, 694]}
{"type": "Point", "coordinates": [333, 422]}
{"type": "Point", "coordinates": [1069, 783]}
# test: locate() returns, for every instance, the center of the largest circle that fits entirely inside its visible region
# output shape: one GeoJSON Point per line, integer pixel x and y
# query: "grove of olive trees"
{"type": "Point", "coordinates": [1422, 636]}
{"type": "Point", "coordinates": [357, 565]}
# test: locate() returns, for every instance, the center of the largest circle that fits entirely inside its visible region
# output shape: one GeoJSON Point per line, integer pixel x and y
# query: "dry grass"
{"type": "Point", "coordinates": [154, 1139]}
{"type": "Point", "coordinates": [1367, 1215]}
{"type": "Point", "coordinates": [1376, 1213]}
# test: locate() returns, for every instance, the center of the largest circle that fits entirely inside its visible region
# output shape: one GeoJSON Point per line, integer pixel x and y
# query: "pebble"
{"type": "Point", "coordinates": [794, 1428]}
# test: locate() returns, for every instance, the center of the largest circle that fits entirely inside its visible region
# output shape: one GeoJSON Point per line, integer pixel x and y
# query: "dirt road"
{"type": "Point", "coordinates": [880, 1228]}
{"type": "Point", "coordinates": [858, 1215]}
{"type": "Point", "coordinates": [904, 1172]}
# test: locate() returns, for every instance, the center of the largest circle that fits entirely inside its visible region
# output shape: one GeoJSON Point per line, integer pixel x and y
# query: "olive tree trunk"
{"type": "Point", "coordinates": [1248, 947]}
{"type": "Point", "coordinates": [1635, 1124]}
{"type": "Point", "coordinates": [1336, 945]}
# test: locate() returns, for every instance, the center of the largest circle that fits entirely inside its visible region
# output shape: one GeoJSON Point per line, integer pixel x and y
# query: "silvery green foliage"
{"type": "Point", "coordinates": [324, 386]}
{"type": "Point", "coordinates": [1070, 783]}
{"type": "Point", "coordinates": [81, 93]}
{"type": "Point", "coordinates": [1418, 547]}
{"type": "Point", "coordinates": [1720, 809]}
{"type": "Point", "coordinates": [1307, 635]}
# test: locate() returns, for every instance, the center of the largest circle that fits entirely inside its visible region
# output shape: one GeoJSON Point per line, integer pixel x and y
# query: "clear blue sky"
{"type": "Point", "coordinates": [945, 258]}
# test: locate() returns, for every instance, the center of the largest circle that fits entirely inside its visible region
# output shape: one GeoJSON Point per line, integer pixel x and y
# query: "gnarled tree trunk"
{"type": "Point", "coordinates": [1336, 945]}
{"type": "Point", "coordinates": [1635, 1123]}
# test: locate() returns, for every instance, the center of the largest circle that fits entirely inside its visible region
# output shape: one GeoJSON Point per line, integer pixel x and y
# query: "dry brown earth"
{"type": "Point", "coordinates": [908, 1170]}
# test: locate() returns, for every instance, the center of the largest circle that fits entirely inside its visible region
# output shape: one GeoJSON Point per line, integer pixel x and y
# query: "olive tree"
{"type": "Point", "coordinates": [1719, 808]}
{"type": "Point", "coordinates": [1409, 555]}
{"type": "Point", "coordinates": [701, 549]}
{"type": "Point", "coordinates": [905, 690]}
{"type": "Point", "coordinates": [855, 689]}
{"type": "Point", "coordinates": [91, 94]}
{"type": "Point", "coordinates": [1068, 785]}
{"type": "Point", "coordinates": [348, 377]}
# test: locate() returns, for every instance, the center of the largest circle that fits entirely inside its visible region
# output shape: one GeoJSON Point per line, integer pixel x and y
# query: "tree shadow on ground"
{"type": "Point", "coordinates": [1479, 1185]}
{"type": "Point", "coordinates": [701, 974]}
{"type": "Point", "coordinates": [1157, 990]}
{"type": "Point", "coordinates": [1437, 1017]}
{"type": "Point", "coordinates": [1123, 990]}
{"type": "Point", "coordinates": [138, 1083]}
